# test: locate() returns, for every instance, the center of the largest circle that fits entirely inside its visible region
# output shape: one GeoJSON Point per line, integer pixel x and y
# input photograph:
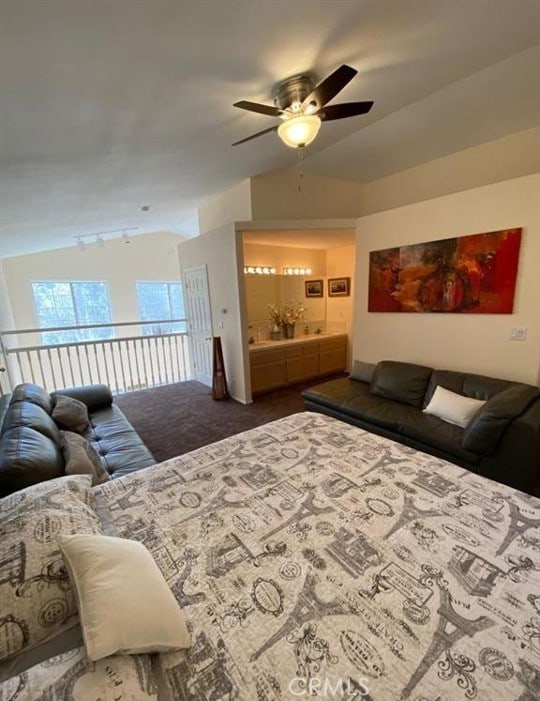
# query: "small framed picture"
{"type": "Point", "coordinates": [339, 286]}
{"type": "Point", "coordinates": [314, 288]}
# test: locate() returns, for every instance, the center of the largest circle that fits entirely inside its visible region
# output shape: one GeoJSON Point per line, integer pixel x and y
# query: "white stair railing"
{"type": "Point", "coordinates": [125, 363]}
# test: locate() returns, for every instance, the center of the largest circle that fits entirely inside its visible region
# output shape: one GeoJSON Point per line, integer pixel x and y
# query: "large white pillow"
{"type": "Point", "coordinates": [37, 600]}
{"type": "Point", "coordinates": [125, 604]}
{"type": "Point", "coordinates": [453, 408]}
{"type": "Point", "coordinates": [72, 675]}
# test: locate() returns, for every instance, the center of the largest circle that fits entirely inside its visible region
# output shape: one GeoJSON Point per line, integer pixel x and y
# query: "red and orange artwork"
{"type": "Point", "coordinates": [473, 274]}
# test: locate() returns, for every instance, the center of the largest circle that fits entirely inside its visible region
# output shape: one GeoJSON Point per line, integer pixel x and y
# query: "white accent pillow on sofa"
{"type": "Point", "coordinates": [451, 407]}
{"type": "Point", "coordinates": [125, 604]}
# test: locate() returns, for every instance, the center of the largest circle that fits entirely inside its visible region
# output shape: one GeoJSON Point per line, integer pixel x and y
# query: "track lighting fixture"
{"type": "Point", "coordinates": [98, 237]}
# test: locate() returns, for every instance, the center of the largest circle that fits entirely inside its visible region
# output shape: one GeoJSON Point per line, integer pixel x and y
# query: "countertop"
{"type": "Point", "coordinates": [299, 338]}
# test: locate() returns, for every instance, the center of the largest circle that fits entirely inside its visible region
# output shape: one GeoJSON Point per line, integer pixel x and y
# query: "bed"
{"type": "Point", "coordinates": [311, 557]}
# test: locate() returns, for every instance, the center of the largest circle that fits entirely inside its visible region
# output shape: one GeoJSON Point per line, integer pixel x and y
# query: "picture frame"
{"type": "Point", "coordinates": [314, 288]}
{"type": "Point", "coordinates": [339, 287]}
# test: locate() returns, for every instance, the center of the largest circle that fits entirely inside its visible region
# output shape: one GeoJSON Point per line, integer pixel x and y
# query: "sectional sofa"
{"type": "Point", "coordinates": [31, 441]}
{"type": "Point", "coordinates": [501, 441]}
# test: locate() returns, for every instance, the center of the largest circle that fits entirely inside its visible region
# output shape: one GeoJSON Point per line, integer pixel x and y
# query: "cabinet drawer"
{"type": "Point", "coordinates": [330, 344]}
{"type": "Point", "coordinates": [274, 355]}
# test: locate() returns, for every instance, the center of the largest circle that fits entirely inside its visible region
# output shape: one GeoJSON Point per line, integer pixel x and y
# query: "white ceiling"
{"type": "Point", "coordinates": [109, 106]}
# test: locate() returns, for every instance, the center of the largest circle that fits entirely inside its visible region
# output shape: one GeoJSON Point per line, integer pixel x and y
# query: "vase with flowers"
{"type": "Point", "coordinates": [275, 315]}
{"type": "Point", "coordinates": [285, 318]}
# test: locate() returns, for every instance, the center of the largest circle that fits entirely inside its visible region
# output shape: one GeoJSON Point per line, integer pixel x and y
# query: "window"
{"type": "Point", "coordinates": [161, 301]}
{"type": "Point", "coordinates": [72, 304]}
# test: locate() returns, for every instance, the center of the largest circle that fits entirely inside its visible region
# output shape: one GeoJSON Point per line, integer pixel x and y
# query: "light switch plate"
{"type": "Point", "coordinates": [518, 334]}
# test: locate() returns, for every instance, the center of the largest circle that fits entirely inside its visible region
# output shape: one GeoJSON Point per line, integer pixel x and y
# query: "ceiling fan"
{"type": "Point", "coordinates": [302, 105]}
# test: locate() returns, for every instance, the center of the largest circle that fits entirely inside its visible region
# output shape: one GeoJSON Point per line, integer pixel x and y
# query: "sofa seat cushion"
{"type": "Point", "coordinates": [116, 442]}
{"type": "Point", "coordinates": [444, 437]}
{"type": "Point", "coordinates": [334, 393]}
{"type": "Point", "coordinates": [401, 382]}
{"type": "Point", "coordinates": [27, 457]}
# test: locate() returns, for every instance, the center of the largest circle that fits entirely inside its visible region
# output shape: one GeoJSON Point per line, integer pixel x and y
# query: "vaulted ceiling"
{"type": "Point", "coordinates": [107, 107]}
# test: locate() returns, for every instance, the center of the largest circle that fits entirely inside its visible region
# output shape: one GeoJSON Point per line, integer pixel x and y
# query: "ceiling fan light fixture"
{"type": "Point", "coordinates": [299, 131]}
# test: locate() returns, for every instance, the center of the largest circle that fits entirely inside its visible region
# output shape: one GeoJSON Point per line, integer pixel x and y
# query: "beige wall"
{"type": "Point", "coordinates": [147, 257]}
{"type": "Point", "coordinates": [221, 252]}
{"type": "Point", "coordinates": [502, 159]}
{"type": "Point", "coordinates": [6, 314]}
{"type": "Point", "coordinates": [340, 262]}
{"type": "Point", "coordinates": [226, 207]}
{"type": "Point", "coordinates": [474, 342]}
{"type": "Point", "coordinates": [276, 196]}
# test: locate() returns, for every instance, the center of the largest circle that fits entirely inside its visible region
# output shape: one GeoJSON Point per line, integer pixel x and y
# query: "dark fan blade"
{"type": "Point", "coordinates": [254, 136]}
{"type": "Point", "coordinates": [256, 107]}
{"type": "Point", "coordinates": [330, 86]}
{"type": "Point", "coordinates": [345, 109]}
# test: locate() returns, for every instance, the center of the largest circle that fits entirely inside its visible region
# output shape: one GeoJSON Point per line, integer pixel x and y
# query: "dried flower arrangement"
{"type": "Point", "coordinates": [289, 313]}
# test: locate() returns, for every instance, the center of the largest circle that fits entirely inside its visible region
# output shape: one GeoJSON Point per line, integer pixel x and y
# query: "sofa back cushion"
{"type": "Point", "coordinates": [465, 383]}
{"type": "Point", "coordinates": [27, 457]}
{"type": "Point", "coordinates": [23, 413]}
{"type": "Point", "coordinates": [486, 428]}
{"type": "Point", "coordinates": [402, 382]}
{"type": "Point", "coordinates": [363, 372]}
{"type": "Point", "coordinates": [29, 392]}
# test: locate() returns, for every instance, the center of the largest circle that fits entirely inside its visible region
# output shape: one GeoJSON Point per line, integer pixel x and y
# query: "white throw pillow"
{"type": "Point", "coordinates": [125, 604]}
{"type": "Point", "coordinates": [451, 407]}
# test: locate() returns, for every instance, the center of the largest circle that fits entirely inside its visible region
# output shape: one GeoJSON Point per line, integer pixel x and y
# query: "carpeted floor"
{"type": "Point", "coordinates": [175, 419]}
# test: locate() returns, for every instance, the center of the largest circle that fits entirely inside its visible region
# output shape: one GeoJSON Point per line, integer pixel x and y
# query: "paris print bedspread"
{"type": "Point", "coordinates": [312, 558]}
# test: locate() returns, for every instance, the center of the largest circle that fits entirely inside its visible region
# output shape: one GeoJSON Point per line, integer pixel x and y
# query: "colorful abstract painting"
{"type": "Point", "coordinates": [473, 274]}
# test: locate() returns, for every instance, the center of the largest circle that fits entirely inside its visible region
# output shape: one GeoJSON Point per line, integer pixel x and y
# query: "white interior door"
{"type": "Point", "coordinates": [199, 322]}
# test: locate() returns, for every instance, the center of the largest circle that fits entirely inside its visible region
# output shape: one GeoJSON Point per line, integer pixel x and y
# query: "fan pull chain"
{"type": "Point", "coordinates": [301, 167]}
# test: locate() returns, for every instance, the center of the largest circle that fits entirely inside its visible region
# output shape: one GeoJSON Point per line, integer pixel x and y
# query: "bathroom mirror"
{"type": "Point", "coordinates": [262, 290]}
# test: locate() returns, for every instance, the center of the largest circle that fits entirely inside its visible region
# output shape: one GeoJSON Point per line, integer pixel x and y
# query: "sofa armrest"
{"type": "Point", "coordinates": [94, 396]}
{"type": "Point", "coordinates": [484, 431]}
{"type": "Point", "coordinates": [516, 461]}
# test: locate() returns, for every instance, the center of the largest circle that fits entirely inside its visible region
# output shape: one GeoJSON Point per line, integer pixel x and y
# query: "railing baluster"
{"type": "Point", "coordinates": [43, 382]}
{"type": "Point", "coordinates": [90, 380]}
{"type": "Point", "coordinates": [160, 359]}
{"type": "Point", "coordinates": [137, 363]}
{"type": "Point", "coordinates": [70, 365]}
{"type": "Point", "coordinates": [113, 359]}
{"type": "Point", "coordinates": [143, 355]}
{"type": "Point", "coordinates": [51, 368]}
{"type": "Point", "coordinates": [29, 360]}
{"type": "Point", "coordinates": [122, 364]}
{"type": "Point", "coordinates": [170, 376]}
{"type": "Point", "coordinates": [177, 340]}
{"type": "Point", "coordinates": [105, 365]}
{"type": "Point", "coordinates": [80, 380]}
{"type": "Point", "coordinates": [151, 361]}
{"type": "Point", "coordinates": [94, 348]}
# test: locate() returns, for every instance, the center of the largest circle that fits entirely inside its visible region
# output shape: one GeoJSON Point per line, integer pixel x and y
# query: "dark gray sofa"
{"type": "Point", "coordinates": [31, 443]}
{"type": "Point", "coordinates": [501, 442]}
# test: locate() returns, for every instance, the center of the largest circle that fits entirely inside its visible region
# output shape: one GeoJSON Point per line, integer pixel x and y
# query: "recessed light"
{"type": "Point", "coordinates": [145, 208]}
